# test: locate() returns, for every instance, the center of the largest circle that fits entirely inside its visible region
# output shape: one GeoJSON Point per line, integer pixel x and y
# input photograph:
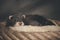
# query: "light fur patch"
{"type": "Point", "coordinates": [17, 24]}
{"type": "Point", "coordinates": [35, 28]}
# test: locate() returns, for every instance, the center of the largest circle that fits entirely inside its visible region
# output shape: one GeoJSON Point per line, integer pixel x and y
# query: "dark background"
{"type": "Point", "coordinates": [46, 8]}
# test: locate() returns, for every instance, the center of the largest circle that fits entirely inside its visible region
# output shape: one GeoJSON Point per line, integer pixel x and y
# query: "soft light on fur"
{"type": "Point", "coordinates": [35, 28]}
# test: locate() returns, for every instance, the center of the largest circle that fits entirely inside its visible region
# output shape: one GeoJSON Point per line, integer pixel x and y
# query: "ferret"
{"type": "Point", "coordinates": [33, 20]}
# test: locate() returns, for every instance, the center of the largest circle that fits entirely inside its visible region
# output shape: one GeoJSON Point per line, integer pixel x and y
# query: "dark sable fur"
{"type": "Point", "coordinates": [34, 20]}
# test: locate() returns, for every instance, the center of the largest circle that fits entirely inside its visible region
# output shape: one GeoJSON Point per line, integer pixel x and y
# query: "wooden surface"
{"type": "Point", "coordinates": [14, 35]}
{"type": "Point", "coordinates": [6, 34]}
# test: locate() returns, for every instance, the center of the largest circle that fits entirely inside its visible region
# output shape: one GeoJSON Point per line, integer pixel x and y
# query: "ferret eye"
{"type": "Point", "coordinates": [11, 18]}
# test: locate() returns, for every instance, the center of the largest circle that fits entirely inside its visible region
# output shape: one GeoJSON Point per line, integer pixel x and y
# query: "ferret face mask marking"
{"type": "Point", "coordinates": [14, 21]}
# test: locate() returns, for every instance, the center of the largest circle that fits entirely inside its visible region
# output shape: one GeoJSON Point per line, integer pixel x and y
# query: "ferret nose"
{"type": "Point", "coordinates": [21, 23]}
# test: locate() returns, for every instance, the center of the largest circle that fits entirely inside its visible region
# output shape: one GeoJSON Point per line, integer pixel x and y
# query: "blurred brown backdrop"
{"type": "Point", "coordinates": [47, 8]}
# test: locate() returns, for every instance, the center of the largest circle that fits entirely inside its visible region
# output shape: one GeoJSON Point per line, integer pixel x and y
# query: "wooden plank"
{"type": "Point", "coordinates": [53, 37]}
{"type": "Point", "coordinates": [54, 34]}
{"type": "Point", "coordinates": [6, 37]}
{"type": "Point", "coordinates": [13, 37]}
{"type": "Point", "coordinates": [30, 36]}
{"type": "Point", "coordinates": [48, 36]}
{"type": "Point", "coordinates": [20, 36]}
{"type": "Point", "coordinates": [1, 38]}
{"type": "Point", "coordinates": [40, 36]}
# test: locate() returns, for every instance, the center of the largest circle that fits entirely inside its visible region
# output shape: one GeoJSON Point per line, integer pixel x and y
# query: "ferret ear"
{"type": "Point", "coordinates": [10, 17]}
{"type": "Point", "coordinates": [24, 16]}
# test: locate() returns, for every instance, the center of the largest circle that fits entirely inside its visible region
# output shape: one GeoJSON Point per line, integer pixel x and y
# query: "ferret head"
{"type": "Point", "coordinates": [14, 20]}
